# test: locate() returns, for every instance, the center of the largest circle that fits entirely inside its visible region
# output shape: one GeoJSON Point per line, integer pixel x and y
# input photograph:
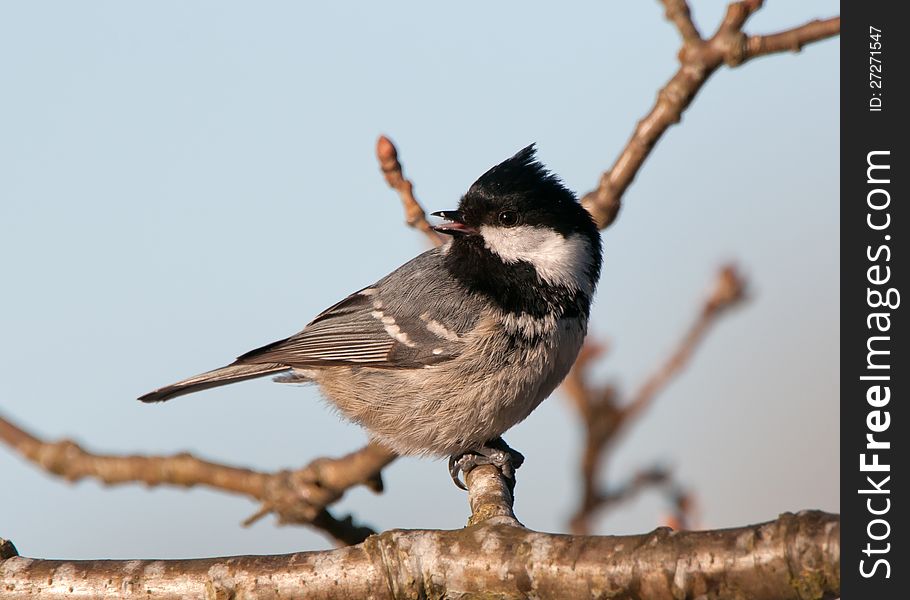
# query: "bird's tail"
{"type": "Point", "coordinates": [223, 376]}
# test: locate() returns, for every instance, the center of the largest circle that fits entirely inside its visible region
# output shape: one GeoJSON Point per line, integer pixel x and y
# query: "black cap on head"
{"type": "Point", "coordinates": [522, 184]}
{"type": "Point", "coordinates": [522, 173]}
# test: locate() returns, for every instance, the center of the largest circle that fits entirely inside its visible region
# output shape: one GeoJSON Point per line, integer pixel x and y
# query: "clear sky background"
{"type": "Point", "coordinates": [181, 182]}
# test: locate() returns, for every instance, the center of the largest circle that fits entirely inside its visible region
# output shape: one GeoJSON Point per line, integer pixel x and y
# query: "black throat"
{"type": "Point", "coordinates": [513, 287]}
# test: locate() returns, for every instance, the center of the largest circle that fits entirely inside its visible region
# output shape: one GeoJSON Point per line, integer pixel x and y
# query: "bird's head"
{"type": "Point", "coordinates": [521, 216]}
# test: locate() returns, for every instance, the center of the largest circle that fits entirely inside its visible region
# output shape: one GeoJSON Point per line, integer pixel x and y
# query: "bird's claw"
{"type": "Point", "coordinates": [495, 452]}
{"type": "Point", "coordinates": [458, 464]}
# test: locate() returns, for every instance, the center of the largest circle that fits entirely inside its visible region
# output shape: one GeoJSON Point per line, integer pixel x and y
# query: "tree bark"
{"type": "Point", "coordinates": [795, 556]}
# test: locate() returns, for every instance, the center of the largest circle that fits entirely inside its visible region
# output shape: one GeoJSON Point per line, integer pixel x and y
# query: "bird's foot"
{"type": "Point", "coordinates": [494, 452]}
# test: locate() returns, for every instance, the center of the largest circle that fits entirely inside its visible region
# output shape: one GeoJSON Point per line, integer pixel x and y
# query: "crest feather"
{"type": "Point", "coordinates": [522, 173]}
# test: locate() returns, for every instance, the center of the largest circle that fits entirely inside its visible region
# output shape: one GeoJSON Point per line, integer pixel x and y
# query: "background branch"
{"type": "Point", "coordinates": [605, 415]}
{"type": "Point", "coordinates": [699, 59]}
{"type": "Point", "coordinates": [795, 556]}
{"type": "Point", "coordinates": [791, 40]}
{"type": "Point", "coordinates": [415, 215]}
{"type": "Point", "coordinates": [678, 13]}
{"type": "Point", "coordinates": [295, 496]}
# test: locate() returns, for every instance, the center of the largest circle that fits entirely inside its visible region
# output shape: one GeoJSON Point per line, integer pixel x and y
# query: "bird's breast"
{"type": "Point", "coordinates": [509, 365]}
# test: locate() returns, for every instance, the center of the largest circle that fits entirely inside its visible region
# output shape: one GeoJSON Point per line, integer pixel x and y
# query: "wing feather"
{"type": "Point", "coordinates": [416, 316]}
{"type": "Point", "coordinates": [356, 332]}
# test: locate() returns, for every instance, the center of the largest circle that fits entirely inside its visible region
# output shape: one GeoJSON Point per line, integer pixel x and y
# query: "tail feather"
{"type": "Point", "coordinates": [223, 376]}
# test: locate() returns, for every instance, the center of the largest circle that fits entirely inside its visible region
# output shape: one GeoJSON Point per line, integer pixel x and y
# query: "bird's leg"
{"type": "Point", "coordinates": [494, 452]}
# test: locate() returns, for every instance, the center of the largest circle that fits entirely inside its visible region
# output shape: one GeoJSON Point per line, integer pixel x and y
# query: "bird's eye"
{"type": "Point", "coordinates": [508, 218]}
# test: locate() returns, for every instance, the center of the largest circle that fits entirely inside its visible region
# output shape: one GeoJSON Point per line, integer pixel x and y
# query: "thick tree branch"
{"type": "Point", "coordinates": [299, 496]}
{"type": "Point", "coordinates": [795, 556]}
{"type": "Point", "coordinates": [699, 59]}
{"type": "Point", "coordinates": [605, 414]}
{"type": "Point", "coordinates": [415, 216]}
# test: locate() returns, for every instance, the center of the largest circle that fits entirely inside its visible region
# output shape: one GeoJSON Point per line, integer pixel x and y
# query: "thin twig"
{"type": "Point", "coordinates": [792, 40]}
{"type": "Point", "coordinates": [684, 513]}
{"type": "Point", "coordinates": [639, 482]}
{"type": "Point", "coordinates": [699, 59]}
{"type": "Point", "coordinates": [737, 14]}
{"type": "Point", "coordinates": [678, 13]}
{"type": "Point", "coordinates": [729, 289]}
{"type": "Point", "coordinates": [606, 416]}
{"type": "Point", "coordinates": [415, 216]}
{"type": "Point", "coordinates": [295, 497]}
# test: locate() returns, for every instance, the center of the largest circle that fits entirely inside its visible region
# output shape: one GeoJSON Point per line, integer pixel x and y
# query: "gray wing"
{"type": "Point", "coordinates": [415, 316]}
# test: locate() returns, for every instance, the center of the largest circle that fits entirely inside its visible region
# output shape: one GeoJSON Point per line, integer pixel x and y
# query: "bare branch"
{"type": "Point", "coordinates": [299, 496]}
{"type": "Point", "coordinates": [605, 415]}
{"type": "Point", "coordinates": [642, 480]}
{"type": "Point", "coordinates": [699, 59]}
{"type": "Point", "coordinates": [685, 509]}
{"type": "Point", "coordinates": [795, 556]}
{"type": "Point", "coordinates": [737, 14]}
{"type": "Point", "coordinates": [490, 497]}
{"type": "Point", "coordinates": [728, 291]}
{"type": "Point", "coordinates": [791, 40]}
{"type": "Point", "coordinates": [415, 216]}
{"type": "Point", "coordinates": [678, 13]}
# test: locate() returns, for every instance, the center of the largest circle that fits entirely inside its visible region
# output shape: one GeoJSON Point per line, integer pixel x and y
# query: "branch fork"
{"type": "Point", "coordinates": [699, 58]}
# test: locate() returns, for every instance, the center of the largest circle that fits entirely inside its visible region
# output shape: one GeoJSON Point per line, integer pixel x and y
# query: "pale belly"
{"type": "Point", "coordinates": [457, 405]}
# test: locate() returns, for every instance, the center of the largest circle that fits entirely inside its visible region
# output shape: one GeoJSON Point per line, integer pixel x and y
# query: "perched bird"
{"type": "Point", "coordinates": [450, 350]}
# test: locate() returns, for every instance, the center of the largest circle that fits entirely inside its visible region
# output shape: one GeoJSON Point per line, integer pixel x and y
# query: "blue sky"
{"type": "Point", "coordinates": [182, 182]}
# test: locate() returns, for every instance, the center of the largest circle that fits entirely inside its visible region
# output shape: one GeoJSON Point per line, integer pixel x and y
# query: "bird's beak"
{"type": "Point", "coordinates": [454, 223]}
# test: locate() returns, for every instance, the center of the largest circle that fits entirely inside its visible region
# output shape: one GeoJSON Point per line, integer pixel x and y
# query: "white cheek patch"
{"type": "Point", "coordinates": [558, 260]}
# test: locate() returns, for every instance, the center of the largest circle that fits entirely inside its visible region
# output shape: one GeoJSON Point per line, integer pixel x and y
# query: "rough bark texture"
{"type": "Point", "coordinates": [796, 556]}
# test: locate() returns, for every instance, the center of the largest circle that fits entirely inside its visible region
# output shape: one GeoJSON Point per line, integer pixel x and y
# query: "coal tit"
{"type": "Point", "coordinates": [450, 350]}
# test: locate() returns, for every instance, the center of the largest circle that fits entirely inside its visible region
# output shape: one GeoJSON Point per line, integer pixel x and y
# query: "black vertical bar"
{"type": "Point", "coordinates": [874, 369]}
